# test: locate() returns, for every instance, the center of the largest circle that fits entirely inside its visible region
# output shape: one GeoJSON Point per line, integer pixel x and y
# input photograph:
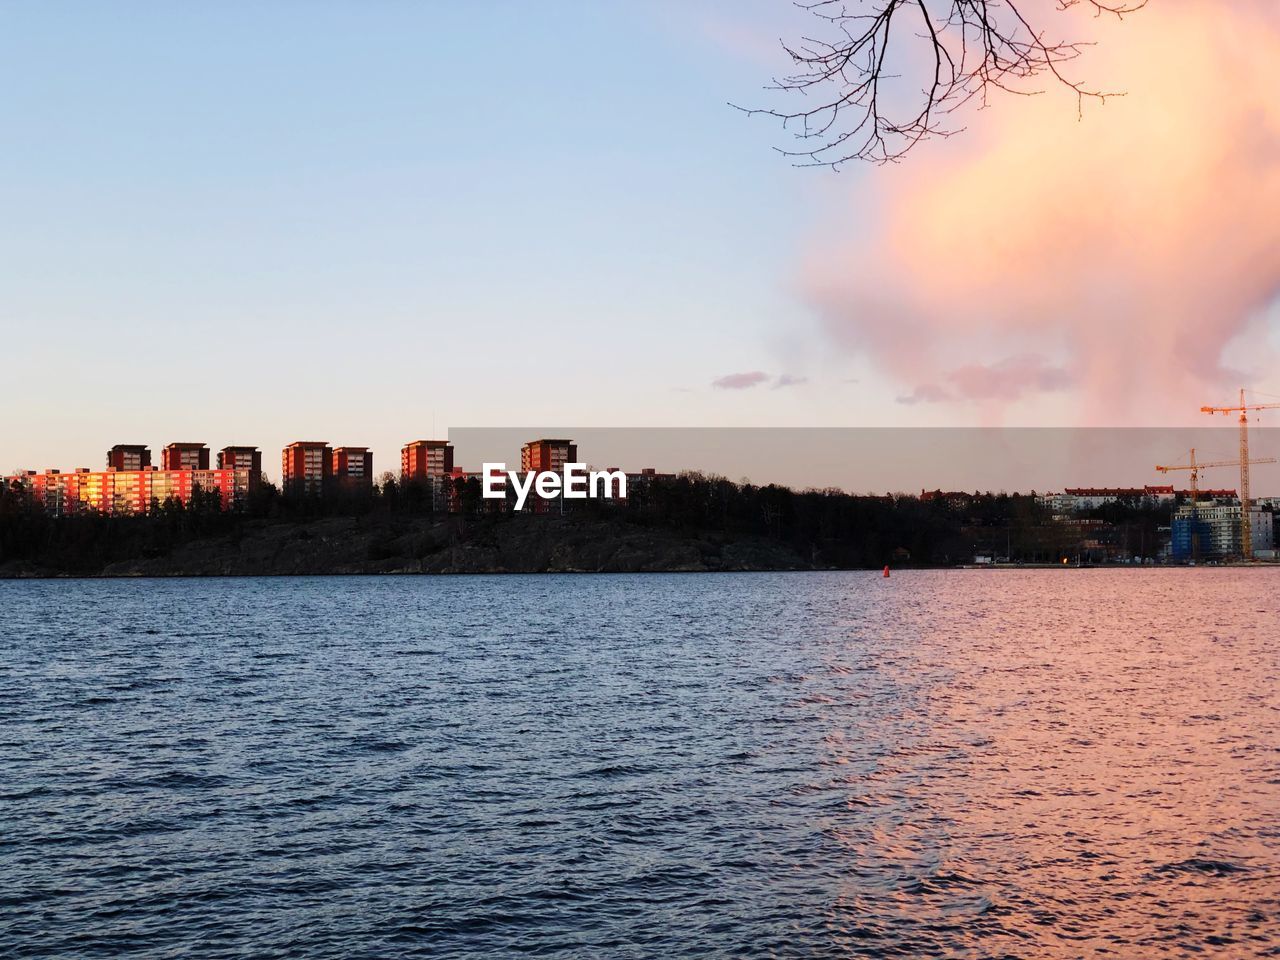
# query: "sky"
{"type": "Point", "coordinates": [370, 222]}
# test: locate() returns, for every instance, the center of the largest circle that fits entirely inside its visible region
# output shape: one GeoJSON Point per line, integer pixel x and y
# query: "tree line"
{"type": "Point", "coordinates": [825, 527]}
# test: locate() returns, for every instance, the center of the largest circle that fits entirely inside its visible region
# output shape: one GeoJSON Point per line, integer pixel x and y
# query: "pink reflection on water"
{"type": "Point", "coordinates": [1071, 763]}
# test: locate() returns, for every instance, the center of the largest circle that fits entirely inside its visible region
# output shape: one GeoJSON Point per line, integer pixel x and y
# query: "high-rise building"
{"type": "Point", "coordinates": [1213, 530]}
{"type": "Point", "coordinates": [184, 456]}
{"type": "Point", "coordinates": [241, 458]}
{"type": "Point", "coordinates": [306, 466]}
{"type": "Point", "coordinates": [353, 466]}
{"type": "Point", "coordinates": [546, 455]}
{"type": "Point", "coordinates": [426, 458]}
{"type": "Point", "coordinates": [542, 455]}
{"type": "Point", "coordinates": [129, 456]}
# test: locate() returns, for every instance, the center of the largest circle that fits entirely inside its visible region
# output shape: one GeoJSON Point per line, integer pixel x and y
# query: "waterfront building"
{"type": "Point", "coordinates": [1088, 498]}
{"type": "Point", "coordinates": [129, 456]}
{"type": "Point", "coordinates": [306, 466]}
{"type": "Point", "coordinates": [184, 456]}
{"type": "Point", "coordinates": [353, 466]}
{"type": "Point", "coordinates": [241, 458]}
{"type": "Point", "coordinates": [429, 464]}
{"type": "Point", "coordinates": [116, 493]}
{"type": "Point", "coordinates": [542, 455]}
{"type": "Point", "coordinates": [546, 455]}
{"type": "Point", "coordinates": [1078, 499]}
{"type": "Point", "coordinates": [426, 458]}
{"type": "Point", "coordinates": [1216, 525]}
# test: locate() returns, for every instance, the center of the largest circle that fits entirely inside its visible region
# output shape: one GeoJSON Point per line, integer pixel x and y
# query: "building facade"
{"type": "Point", "coordinates": [353, 467]}
{"type": "Point", "coordinates": [426, 458]}
{"type": "Point", "coordinates": [428, 464]}
{"type": "Point", "coordinates": [542, 455]}
{"type": "Point", "coordinates": [306, 466]}
{"type": "Point", "coordinates": [1078, 499]}
{"type": "Point", "coordinates": [184, 456]}
{"type": "Point", "coordinates": [546, 456]}
{"type": "Point", "coordinates": [1212, 530]}
{"type": "Point", "coordinates": [241, 458]}
{"type": "Point", "coordinates": [116, 493]}
{"type": "Point", "coordinates": [129, 456]}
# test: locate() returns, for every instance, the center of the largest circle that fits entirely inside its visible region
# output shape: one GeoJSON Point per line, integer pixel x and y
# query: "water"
{"type": "Point", "coordinates": [1035, 764]}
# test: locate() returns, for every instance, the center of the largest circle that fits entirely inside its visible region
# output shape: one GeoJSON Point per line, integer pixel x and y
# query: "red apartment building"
{"type": "Point", "coordinates": [541, 455]}
{"type": "Point", "coordinates": [428, 463]}
{"type": "Point", "coordinates": [184, 456]}
{"type": "Point", "coordinates": [353, 466]}
{"type": "Point", "coordinates": [538, 456]}
{"type": "Point", "coordinates": [241, 458]}
{"type": "Point", "coordinates": [426, 458]}
{"type": "Point", "coordinates": [306, 466]}
{"type": "Point", "coordinates": [129, 456]}
{"type": "Point", "coordinates": [115, 493]}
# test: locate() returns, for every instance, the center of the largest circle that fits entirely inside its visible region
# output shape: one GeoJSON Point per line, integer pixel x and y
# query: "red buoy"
{"type": "Point", "coordinates": [886, 569]}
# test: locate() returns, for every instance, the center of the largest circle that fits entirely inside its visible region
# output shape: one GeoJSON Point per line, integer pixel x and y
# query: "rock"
{"type": "Point", "coordinates": [418, 545]}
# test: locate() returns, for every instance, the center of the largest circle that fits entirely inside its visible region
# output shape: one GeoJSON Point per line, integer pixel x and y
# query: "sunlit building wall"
{"type": "Point", "coordinates": [184, 456]}
{"type": "Point", "coordinates": [306, 466]}
{"type": "Point", "coordinates": [546, 455]}
{"type": "Point", "coordinates": [241, 458]}
{"type": "Point", "coordinates": [117, 493]}
{"type": "Point", "coordinates": [129, 456]}
{"type": "Point", "coordinates": [541, 455]}
{"type": "Point", "coordinates": [353, 466]}
{"type": "Point", "coordinates": [426, 458]}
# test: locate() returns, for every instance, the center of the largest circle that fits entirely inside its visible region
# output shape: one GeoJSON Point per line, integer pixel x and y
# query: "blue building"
{"type": "Point", "coordinates": [1183, 528]}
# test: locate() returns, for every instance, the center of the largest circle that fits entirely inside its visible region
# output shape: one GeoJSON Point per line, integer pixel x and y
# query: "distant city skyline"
{"type": "Point", "coordinates": [856, 460]}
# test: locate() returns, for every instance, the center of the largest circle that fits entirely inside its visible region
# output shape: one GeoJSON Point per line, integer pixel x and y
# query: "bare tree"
{"type": "Point", "coordinates": [860, 109]}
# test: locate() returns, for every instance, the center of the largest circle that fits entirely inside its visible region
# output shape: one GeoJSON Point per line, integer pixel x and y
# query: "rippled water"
{"type": "Point", "coordinates": [1035, 764]}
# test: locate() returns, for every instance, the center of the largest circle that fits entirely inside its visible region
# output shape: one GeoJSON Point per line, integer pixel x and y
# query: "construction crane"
{"type": "Point", "coordinates": [1243, 408]}
{"type": "Point", "coordinates": [1195, 469]}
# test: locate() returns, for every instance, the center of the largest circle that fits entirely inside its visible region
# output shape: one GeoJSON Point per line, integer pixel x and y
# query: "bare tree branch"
{"type": "Point", "coordinates": [858, 110]}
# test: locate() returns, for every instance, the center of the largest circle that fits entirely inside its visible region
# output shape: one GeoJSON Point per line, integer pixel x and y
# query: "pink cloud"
{"type": "Point", "coordinates": [1111, 259]}
{"type": "Point", "coordinates": [740, 381]}
{"type": "Point", "coordinates": [1006, 380]}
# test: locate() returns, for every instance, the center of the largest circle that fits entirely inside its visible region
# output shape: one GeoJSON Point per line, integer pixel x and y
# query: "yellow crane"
{"type": "Point", "coordinates": [1195, 469]}
{"type": "Point", "coordinates": [1243, 408]}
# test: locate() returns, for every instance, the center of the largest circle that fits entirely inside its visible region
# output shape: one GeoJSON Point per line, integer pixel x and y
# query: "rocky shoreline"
{"type": "Point", "coordinates": [368, 545]}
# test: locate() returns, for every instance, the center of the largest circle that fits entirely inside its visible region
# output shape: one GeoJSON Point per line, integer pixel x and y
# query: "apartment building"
{"type": "Point", "coordinates": [117, 493]}
{"type": "Point", "coordinates": [241, 458]}
{"type": "Point", "coordinates": [353, 466]}
{"type": "Point", "coordinates": [306, 466]}
{"type": "Point", "coordinates": [426, 458]}
{"type": "Point", "coordinates": [184, 456]}
{"type": "Point", "coordinates": [129, 456]}
{"type": "Point", "coordinates": [1213, 530]}
{"type": "Point", "coordinates": [546, 454]}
